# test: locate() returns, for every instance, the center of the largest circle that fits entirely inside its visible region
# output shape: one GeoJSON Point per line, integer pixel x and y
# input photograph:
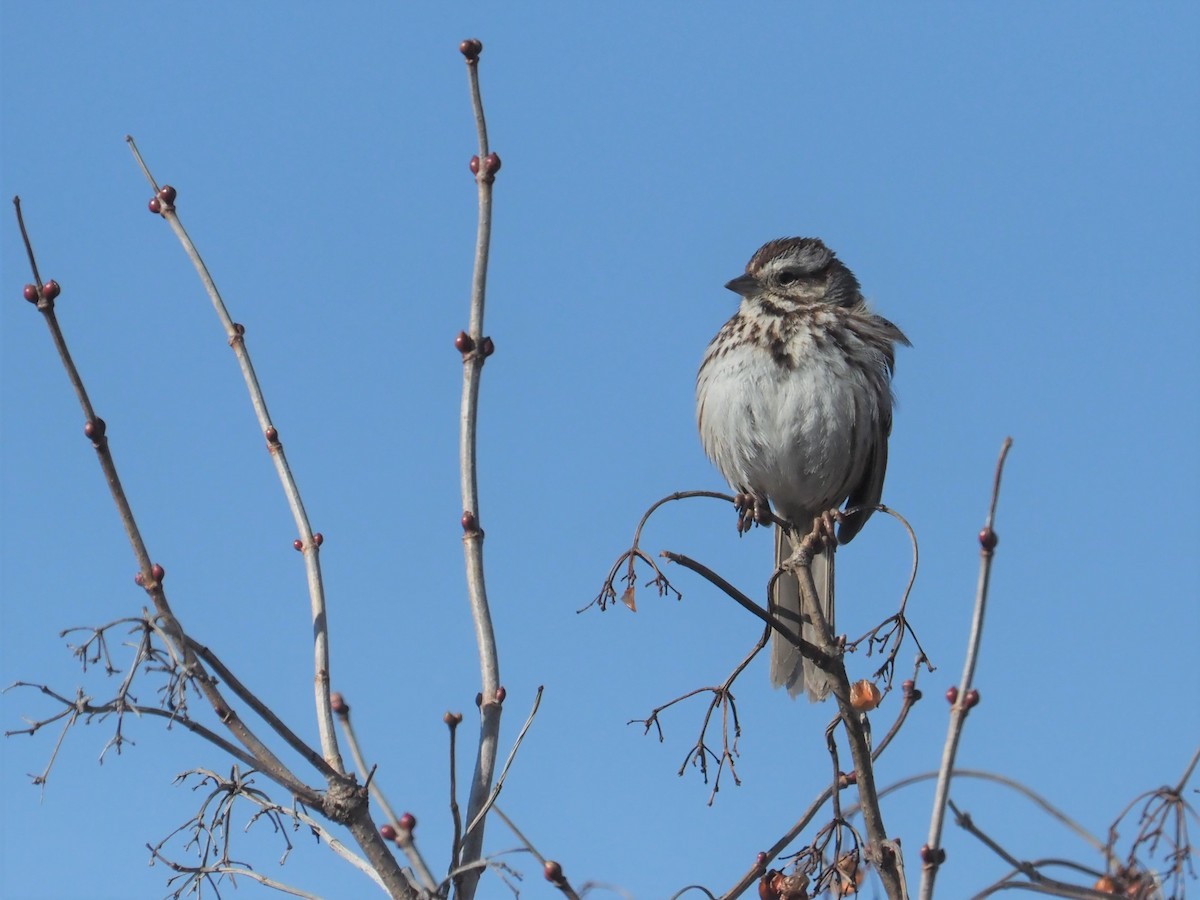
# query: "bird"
{"type": "Point", "coordinates": [794, 408]}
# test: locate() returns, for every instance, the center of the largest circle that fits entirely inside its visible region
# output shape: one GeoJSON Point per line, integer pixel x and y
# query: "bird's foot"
{"type": "Point", "coordinates": [752, 509]}
{"type": "Point", "coordinates": [824, 527]}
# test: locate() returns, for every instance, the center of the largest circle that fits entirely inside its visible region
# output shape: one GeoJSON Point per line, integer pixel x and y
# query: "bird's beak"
{"type": "Point", "coordinates": [744, 285]}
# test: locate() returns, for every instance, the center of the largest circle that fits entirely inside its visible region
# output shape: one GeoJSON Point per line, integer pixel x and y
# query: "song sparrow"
{"type": "Point", "coordinates": [794, 404]}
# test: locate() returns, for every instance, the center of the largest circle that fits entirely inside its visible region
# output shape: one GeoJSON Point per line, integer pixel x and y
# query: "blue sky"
{"type": "Point", "coordinates": [1015, 186]}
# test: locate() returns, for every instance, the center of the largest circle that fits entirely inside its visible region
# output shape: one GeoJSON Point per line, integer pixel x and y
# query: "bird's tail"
{"type": "Point", "coordinates": [788, 666]}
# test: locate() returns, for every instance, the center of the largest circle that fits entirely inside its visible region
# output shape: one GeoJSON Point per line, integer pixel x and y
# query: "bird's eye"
{"type": "Point", "coordinates": [788, 277]}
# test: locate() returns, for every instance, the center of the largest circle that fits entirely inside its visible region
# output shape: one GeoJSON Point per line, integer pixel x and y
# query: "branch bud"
{"type": "Point", "coordinates": [339, 705]}
{"type": "Point", "coordinates": [988, 540]}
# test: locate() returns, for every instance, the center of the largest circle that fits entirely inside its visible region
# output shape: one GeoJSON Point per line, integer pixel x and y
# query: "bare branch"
{"type": "Point", "coordinates": [932, 853]}
{"type": "Point", "coordinates": [310, 542]}
{"type": "Point", "coordinates": [475, 348]}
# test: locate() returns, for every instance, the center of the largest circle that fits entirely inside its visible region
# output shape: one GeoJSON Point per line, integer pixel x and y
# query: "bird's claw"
{"type": "Point", "coordinates": [752, 509]}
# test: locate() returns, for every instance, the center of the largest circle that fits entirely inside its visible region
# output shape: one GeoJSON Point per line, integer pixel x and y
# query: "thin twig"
{"type": "Point", "coordinates": [512, 754]}
{"type": "Point", "coordinates": [310, 544]}
{"type": "Point", "coordinates": [932, 853]}
{"type": "Point", "coordinates": [485, 165]}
